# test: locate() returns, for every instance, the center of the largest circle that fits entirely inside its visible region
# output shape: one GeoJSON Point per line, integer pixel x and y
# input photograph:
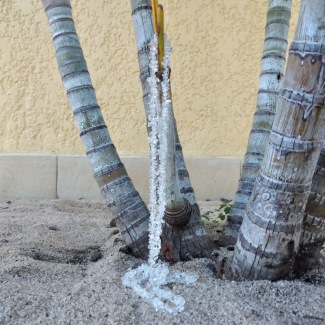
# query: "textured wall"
{"type": "Point", "coordinates": [215, 67]}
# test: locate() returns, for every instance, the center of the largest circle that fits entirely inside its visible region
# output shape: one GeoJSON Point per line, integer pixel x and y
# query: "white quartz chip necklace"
{"type": "Point", "coordinates": [148, 278]}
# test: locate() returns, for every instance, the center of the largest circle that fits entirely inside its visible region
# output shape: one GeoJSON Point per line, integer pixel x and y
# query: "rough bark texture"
{"type": "Point", "coordinates": [193, 238]}
{"type": "Point", "coordinates": [313, 229]}
{"type": "Point", "coordinates": [269, 236]}
{"type": "Point", "coordinates": [271, 79]}
{"type": "Point", "coordinates": [124, 202]}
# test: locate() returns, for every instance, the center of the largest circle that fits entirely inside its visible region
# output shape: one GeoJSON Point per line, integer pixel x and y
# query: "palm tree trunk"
{"type": "Point", "coordinates": [313, 229]}
{"type": "Point", "coordinates": [174, 200]}
{"type": "Point", "coordinates": [144, 31]}
{"type": "Point", "coordinates": [123, 201]}
{"type": "Point", "coordinates": [191, 239]}
{"type": "Point", "coordinates": [269, 236]}
{"type": "Point", "coordinates": [271, 79]}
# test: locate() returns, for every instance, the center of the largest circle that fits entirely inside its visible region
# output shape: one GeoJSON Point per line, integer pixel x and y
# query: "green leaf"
{"type": "Point", "coordinates": [227, 210]}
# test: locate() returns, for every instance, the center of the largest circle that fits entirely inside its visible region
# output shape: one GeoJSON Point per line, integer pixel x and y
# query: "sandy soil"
{"type": "Point", "coordinates": [61, 263]}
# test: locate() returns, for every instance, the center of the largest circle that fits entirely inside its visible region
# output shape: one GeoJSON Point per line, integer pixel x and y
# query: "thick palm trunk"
{"type": "Point", "coordinates": [269, 236]}
{"type": "Point", "coordinates": [192, 238]}
{"type": "Point", "coordinates": [313, 229]}
{"type": "Point", "coordinates": [124, 202]}
{"type": "Point", "coordinates": [271, 79]}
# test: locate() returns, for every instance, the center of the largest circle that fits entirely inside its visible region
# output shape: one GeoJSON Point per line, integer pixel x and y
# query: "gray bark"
{"type": "Point", "coordinates": [123, 201]}
{"type": "Point", "coordinates": [190, 239]}
{"type": "Point", "coordinates": [144, 31]}
{"type": "Point", "coordinates": [313, 229]}
{"type": "Point", "coordinates": [314, 221]}
{"type": "Point", "coordinates": [271, 79]}
{"type": "Point", "coordinates": [269, 237]}
{"type": "Point", "coordinates": [174, 198]}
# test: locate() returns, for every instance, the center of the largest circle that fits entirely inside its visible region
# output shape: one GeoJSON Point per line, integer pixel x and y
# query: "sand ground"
{"type": "Point", "coordinates": [61, 263]}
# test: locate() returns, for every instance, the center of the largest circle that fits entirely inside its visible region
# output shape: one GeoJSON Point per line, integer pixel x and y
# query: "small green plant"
{"type": "Point", "coordinates": [208, 221]}
{"type": "Point", "coordinates": [226, 207]}
{"type": "Point", "coordinates": [224, 210]}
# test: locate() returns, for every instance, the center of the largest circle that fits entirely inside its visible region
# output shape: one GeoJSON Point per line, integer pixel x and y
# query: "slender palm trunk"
{"type": "Point", "coordinates": [173, 196]}
{"type": "Point", "coordinates": [192, 238]}
{"type": "Point", "coordinates": [124, 202]}
{"type": "Point", "coordinates": [144, 31]}
{"type": "Point", "coordinates": [271, 79]}
{"type": "Point", "coordinates": [269, 236]}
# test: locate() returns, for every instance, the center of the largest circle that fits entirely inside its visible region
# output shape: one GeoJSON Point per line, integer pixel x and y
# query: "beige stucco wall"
{"type": "Point", "coordinates": [215, 67]}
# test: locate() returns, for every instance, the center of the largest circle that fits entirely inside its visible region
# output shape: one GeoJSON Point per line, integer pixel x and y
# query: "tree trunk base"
{"type": "Point", "coordinates": [183, 242]}
{"type": "Point", "coordinates": [230, 234]}
{"type": "Point", "coordinates": [191, 239]}
{"type": "Point", "coordinates": [307, 258]}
